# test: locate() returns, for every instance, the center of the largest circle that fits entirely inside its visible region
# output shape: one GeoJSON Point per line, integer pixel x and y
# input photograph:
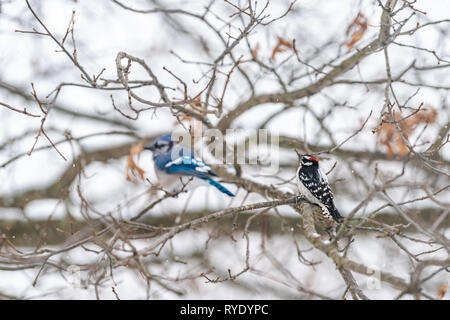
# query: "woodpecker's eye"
{"type": "Point", "coordinates": [309, 160]}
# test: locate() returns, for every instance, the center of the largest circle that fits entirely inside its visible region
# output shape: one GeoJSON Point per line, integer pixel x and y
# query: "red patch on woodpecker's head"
{"type": "Point", "coordinates": [313, 159]}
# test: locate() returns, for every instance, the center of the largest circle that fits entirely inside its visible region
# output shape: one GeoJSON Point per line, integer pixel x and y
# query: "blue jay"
{"type": "Point", "coordinates": [173, 162]}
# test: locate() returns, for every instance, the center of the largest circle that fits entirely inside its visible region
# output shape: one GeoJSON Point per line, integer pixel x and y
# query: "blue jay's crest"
{"type": "Point", "coordinates": [173, 159]}
{"type": "Point", "coordinates": [161, 144]}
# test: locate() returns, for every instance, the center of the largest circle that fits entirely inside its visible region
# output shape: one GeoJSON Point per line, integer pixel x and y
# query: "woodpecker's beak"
{"type": "Point", "coordinates": [151, 148]}
{"type": "Point", "coordinates": [298, 154]}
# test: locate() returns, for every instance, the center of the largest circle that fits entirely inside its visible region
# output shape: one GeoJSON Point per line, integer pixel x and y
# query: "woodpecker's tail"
{"type": "Point", "coordinates": [336, 215]}
{"type": "Point", "coordinates": [220, 187]}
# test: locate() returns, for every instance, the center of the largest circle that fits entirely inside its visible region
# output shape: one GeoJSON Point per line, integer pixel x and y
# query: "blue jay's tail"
{"type": "Point", "coordinates": [220, 187]}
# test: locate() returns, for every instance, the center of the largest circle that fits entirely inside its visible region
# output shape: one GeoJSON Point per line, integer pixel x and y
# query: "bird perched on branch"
{"type": "Point", "coordinates": [313, 185]}
{"type": "Point", "coordinates": [174, 162]}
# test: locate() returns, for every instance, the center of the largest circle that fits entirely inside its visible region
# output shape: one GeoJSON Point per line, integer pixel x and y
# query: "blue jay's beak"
{"type": "Point", "coordinates": [151, 148]}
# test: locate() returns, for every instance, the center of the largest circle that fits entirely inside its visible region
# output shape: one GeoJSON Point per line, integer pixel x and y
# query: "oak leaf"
{"type": "Point", "coordinates": [282, 46]}
{"type": "Point", "coordinates": [356, 30]}
{"type": "Point", "coordinates": [255, 51]}
{"type": "Point", "coordinates": [133, 171]}
{"type": "Point", "coordinates": [389, 136]}
{"type": "Point", "coordinates": [442, 291]}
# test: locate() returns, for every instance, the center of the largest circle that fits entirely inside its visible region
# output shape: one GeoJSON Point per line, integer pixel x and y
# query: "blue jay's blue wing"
{"type": "Point", "coordinates": [182, 161]}
{"type": "Point", "coordinates": [190, 167]}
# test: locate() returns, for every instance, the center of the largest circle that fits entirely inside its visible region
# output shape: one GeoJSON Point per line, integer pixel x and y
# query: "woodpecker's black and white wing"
{"type": "Point", "coordinates": [313, 184]}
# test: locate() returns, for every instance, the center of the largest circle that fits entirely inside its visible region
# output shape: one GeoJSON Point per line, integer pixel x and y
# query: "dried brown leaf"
{"type": "Point", "coordinates": [282, 46]}
{"type": "Point", "coordinates": [255, 51]}
{"type": "Point", "coordinates": [356, 29]}
{"type": "Point", "coordinates": [388, 135]}
{"type": "Point", "coordinates": [133, 171]}
{"type": "Point", "coordinates": [196, 105]}
{"type": "Point", "coordinates": [197, 102]}
{"type": "Point", "coordinates": [442, 291]}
